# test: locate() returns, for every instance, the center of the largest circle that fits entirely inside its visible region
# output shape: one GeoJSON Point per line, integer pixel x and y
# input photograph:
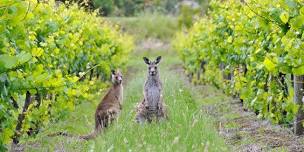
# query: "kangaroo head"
{"type": "Point", "coordinates": [116, 77]}
{"type": "Point", "coordinates": [152, 66]}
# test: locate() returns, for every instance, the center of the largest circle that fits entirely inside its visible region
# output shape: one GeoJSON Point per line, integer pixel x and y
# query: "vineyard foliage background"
{"type": "Point", "coordinates": [51, 58]}
{"type": "Point", "coordinates": [258, 43]}
{"type": "Point", "coordinates": [55, 55]}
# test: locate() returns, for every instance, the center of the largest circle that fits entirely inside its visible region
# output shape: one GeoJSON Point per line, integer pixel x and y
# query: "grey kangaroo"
{"type": "Point", "coordinates": [152, 106]}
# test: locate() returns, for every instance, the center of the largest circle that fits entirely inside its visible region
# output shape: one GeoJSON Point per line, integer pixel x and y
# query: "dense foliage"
{"type": "Point", "coordinates": [50, 57]}
{"type": "Point", "coordinates": [258, 43]}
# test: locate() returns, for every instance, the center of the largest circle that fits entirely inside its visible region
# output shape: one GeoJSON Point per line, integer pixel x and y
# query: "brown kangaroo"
{"type": "Point", "coordinates": [107, 110]}
{"type": "Point", "coordinates": [109, 107]}
{"type": "Point", "coordinates": [152, 105]}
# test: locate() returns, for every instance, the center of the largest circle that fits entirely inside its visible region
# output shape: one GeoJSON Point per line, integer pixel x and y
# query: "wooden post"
{"type": "Point", "coordinates": [91, 74]}
{"type": "Point", "coordinates": [201, 69]}
{"type": "Point", "coordinates": [190, 76]}
{"type": "Point", "coordinates": [222, 68]}
{"type": "Point", "coordinates": [231, 75]}
{"type": "Point", "coordinates": [298, 96]}
{"type": "Point", "coordinates": [21, 118]}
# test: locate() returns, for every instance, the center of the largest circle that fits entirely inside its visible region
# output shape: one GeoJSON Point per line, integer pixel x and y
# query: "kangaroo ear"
{"type": "Point", "coordinates": [157, 59]}
{"type": "Point", "coordinates": [113, 72]}
{"type": "Point", "coordinates": [147, 61]}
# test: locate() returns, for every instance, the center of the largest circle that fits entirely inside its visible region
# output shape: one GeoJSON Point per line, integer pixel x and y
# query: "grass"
{"type": "Point", "coordinates": [188, 128]}
{"type": "Point", "coordinates": [157, 26]}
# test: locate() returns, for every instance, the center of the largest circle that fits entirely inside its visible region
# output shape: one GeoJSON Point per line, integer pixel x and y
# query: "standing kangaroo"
{"type": "Point", "coordinates": [109, 107]}
{"type": "Point", "coordinates": [107, 110]}
{"type": "Point", "coordinates": [152, 104]}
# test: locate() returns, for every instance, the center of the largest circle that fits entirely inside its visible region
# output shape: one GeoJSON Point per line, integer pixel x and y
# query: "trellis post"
{"type": "Point", "coordinates": [298, 99]}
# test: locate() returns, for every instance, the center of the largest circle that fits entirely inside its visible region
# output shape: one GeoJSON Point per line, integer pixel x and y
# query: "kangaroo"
{"type": "Point", "coordinates": [109, 107]}
{"type": "Point", "coordinates": [152, 105]}
{"type": "Point", "coordinates": [107, 110]}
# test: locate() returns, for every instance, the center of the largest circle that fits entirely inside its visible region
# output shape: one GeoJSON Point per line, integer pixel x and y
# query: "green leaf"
{"type": "Point", "coordinates": [291, 4]}
{"type": "Point", "coordinates": [24, 57]}
{"type": "Point", "coordinates": [270, 66]}
{"type": "Point", "coordinates": [37, 52]}
{"type": "Point", "coordinates": [12, 10]}
{"type": "Point", "coordinates": [40, 78]}
{"type": "Point", "coordinates": [298, 70]}
{"type": "Point", "coordinates": [297, 22]}
{"type": "Point", "coordinates": [284, 17]}
{"type": "Point", "coordinates": [302, 11]}
{"type": "Point", "coordinates": [6, 135]}
{"type": "Point", "coordinates": [8, 61]}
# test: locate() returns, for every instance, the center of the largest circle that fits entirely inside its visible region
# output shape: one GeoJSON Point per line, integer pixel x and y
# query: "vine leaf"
{"type": "Point", "coordinates": [284, 17]}
{"type": "Point", "coordinates": [297, 22]}
{"type": "Point", "coordinates": [299, 70]}
{"type": "Point", "coordinates": [24, 57]}
{"type": "Point", "coordinates": [8, 61]}
{"type": "Point", "coordinates": [270, 66]}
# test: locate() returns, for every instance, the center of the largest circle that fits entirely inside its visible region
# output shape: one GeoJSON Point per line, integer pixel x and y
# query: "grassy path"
{"type": "Point", "coordinates": [188, 127]}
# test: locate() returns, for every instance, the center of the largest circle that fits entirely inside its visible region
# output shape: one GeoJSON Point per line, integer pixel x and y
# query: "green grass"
{"type": "Point", "coordinates": [188, 128]}
{"type": "Point", "coordinates": [157, 26]}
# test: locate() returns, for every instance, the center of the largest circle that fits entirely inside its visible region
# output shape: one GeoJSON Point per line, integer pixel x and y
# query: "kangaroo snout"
{"type": "Point", "coordinates": [152, 73]}
{"type": "Point", "coordinates": [119, 79]}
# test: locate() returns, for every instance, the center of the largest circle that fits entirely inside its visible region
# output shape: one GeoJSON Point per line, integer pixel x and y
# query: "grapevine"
{"type": "Point", "coordinates": [259, 43]}
{"type": "Point", "coordinates": [51, 56]}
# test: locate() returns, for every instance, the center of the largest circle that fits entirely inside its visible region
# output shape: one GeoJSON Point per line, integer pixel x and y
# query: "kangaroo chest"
{"type": "Point", "coordinates": [153, 93]}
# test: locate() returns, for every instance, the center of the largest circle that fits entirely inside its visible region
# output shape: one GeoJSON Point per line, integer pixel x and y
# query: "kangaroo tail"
{"type": "Point", "coordinates": [92, 135]}
{"type": "Point", "coordinates": [60, 134]}
{"type": "Point", "coordinates": [89, 136]}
